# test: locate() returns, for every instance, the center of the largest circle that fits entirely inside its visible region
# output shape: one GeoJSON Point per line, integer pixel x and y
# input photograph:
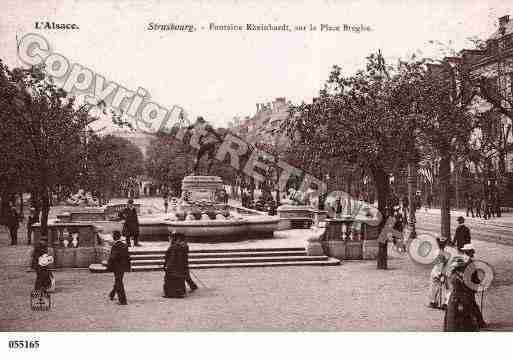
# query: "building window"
{"type": "Point", "coordinates": [510, 87]}
{"type": "Point", "coordinates": [506, 42]}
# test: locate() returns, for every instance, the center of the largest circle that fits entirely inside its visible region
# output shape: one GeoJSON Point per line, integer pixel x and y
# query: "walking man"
{"type": "Point", "coordinates": [176, 267]}
{"type": "Point", "coordinates": [470, 204]}
{"type": "Point", "coordinates": [13, 222]}
{"type": "Point", "coordinates": [131, 225]}
{"type": "Point", "coordinates": [491, 207]}
{"type": "Point", "coordinates": [497, 203]}
{"type": "Point", "coordinates": [118, 263]}
{"type": "Point", "coordinates": [429, 200]}
{"type": "Point", "coordinates": [484, 207]}
{"type": "Point", "coordinates": [417, 201]}
{"type": "Point", "coordinates": [477, 205]}
{"type": "Point", "coordinates": [462, 234]}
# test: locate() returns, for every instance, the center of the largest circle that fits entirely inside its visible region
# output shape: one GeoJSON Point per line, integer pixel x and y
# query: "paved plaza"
{"type": "Point", "coordinates": [354, 296]}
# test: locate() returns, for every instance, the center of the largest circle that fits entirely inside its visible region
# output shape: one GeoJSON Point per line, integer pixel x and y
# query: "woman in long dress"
{"type": "Point", "coordinates": [176, 267]}
{"type": "Point", "coordinates": [462, 314]}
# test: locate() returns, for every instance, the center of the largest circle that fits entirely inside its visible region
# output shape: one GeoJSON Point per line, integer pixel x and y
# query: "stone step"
{"type": "Point", "coordinates": [325, 262]}
{"type": "Point", "coordinates": [304, 258]}
{"type": "Point", "coordinates": [146, 260]}
{"type": "Point", "coordinates": [138, 256]}
{"type": "Point", "coordinates": [100, 268]}
{"type": "Point", "coordinates": [218, 250]}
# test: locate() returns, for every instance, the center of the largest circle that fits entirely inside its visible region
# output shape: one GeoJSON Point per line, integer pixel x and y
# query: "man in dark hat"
{"type": "Point", "coordinates": [131, 225]}
{"type": "Point", "coordinates": [462, 234]}
{"type": "Point", "coordinates": [13, 222]}
{"type": "Point", "coordinates": [469, 199]}
{"type": "Point", "coordinates": [118, 263]}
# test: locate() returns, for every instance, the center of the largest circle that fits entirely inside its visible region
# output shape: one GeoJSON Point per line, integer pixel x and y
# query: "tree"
{"type": "Point", "coordinates": [47, 154]}
{"type": "Point", "coordinates": [111, 162]}
{"type": "Point", "coordinates": [361, 120]}
{"type": "Point", "coordinates": [443, 121]}
{"type": "Point", "coordinates": [169, 160]}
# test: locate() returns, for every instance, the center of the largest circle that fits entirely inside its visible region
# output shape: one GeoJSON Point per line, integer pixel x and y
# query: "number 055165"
{"type": "Point", "coordinates": [23, 344]}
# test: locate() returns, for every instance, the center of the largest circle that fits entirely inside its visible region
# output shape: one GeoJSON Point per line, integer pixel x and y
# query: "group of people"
{"type": "Point", "coordinates": [404, 204]}
{"type": "Point", "coordinates": [176, 267]}
{"type": "Point", "coordinates": [449, 289]}
{"type": "Point", "coordinates": [13, 219]}
{"type": "Point", "coordinates": [483, 206]}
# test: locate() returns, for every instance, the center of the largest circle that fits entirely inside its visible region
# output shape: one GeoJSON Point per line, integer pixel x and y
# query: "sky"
{"type": "Point", "coordinates": [222, 74]}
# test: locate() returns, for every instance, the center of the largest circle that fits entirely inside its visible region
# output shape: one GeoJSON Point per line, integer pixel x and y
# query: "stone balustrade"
{"type": "Point", "coordinates": [345, 238]}
{"type": "Point", "coordinates": [73, 245]}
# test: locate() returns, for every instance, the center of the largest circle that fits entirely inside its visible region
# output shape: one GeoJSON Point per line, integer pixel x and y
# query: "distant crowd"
{"type": "Point", "coordinates": [483, 205]}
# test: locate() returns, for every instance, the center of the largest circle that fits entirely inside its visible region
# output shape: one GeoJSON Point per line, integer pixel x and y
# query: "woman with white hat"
{"type": "Point", "coordinates": [463, 313]}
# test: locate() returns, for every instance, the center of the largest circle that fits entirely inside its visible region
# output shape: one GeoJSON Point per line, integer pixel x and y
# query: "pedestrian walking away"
{"type": "Point", "coordinates": [176, 267]}
{"type": "Point", "coordinates": [470, 204]}
{"type": "Point", "coordinates": [429, 201]}
{"type": "Point", "coordinates": [477, 206]}
{"type": "Point", "coordinates": [462, 234]}
{"type": "Point", "coordinates": [484, 208]}
{"type": "Point", "coordinates": [131, 225]}
{"type": "Point", "coordinates": [13, 222]}
{"type": "Point", "coordinates": [118, 263]}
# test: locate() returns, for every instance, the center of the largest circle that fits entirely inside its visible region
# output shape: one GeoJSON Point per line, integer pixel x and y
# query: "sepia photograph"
{"type": "Point", "coordinates": [241, 166]}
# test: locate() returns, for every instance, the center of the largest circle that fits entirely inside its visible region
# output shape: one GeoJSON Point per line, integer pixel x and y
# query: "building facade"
{"type": "Point", "coordinates": [486, 73]}
{"type": "Point", "coordinates": [263, 128]}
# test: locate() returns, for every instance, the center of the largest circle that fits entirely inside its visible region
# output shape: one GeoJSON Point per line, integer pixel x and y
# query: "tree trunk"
{"type": "Point", "coordinates": [457, 185]}
{"type": "Point", "coordinates": [445, 210]}
{"type": "Point", "coordinates": [21, 204]}
{"type": "Point", "coordinates": [45, 210]}
{"type": "Point", "coordinates": [412, 181]}
{"type": "Point", "coordinates": [382, 185]}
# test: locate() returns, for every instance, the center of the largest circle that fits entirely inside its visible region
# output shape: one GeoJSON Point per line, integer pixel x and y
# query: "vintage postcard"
{"type": "Point", "coordinates": [255, 166]}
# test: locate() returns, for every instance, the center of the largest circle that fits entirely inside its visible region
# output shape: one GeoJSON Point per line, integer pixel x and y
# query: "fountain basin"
{"type": "Point", "coordinates": [225, 229]}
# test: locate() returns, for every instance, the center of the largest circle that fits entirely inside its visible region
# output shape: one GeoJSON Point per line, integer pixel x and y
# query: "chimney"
{"type": "Point", "coordinates": [503, 20]}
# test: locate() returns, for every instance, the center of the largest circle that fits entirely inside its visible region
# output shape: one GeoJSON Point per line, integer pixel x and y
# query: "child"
{"type": "Point", "coordinates": [44, 277]}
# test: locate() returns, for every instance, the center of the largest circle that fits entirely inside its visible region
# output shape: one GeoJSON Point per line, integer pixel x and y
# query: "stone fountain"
{"type": "Point", "coordinates": [202, 215]}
